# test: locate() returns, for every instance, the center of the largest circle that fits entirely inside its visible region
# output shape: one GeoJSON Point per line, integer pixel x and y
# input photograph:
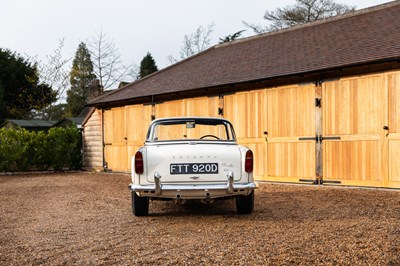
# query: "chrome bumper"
{"type": "Point", "coordinates": [193, 191]}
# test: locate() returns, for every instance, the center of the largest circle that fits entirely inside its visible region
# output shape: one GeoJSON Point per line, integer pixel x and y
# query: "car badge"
{"type": "Point", "coordinates": [194, 177]}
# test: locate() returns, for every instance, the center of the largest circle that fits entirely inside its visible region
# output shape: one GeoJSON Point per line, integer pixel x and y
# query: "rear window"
{"type": "Point", "coordinates": [193, 129]}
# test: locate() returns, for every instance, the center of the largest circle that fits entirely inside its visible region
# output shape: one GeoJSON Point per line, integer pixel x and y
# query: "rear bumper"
{"type": "Point", "coordinates": [204, 191]}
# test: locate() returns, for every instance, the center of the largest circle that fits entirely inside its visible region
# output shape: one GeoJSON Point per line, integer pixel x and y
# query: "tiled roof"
{"type": "Point", "coordinates": [31, 123]}
{"type": "Point", "coordinates": [365, 36]}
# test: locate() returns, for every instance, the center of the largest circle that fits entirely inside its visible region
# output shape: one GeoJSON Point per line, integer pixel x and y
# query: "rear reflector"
{"type": "Point", "coordinates": [138, 163]}
{"type": "Point", "coordinates": [248, 163]}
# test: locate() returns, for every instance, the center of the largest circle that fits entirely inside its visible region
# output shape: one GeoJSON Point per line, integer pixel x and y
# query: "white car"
{"type": "Point", "coordinates": [192, 158]}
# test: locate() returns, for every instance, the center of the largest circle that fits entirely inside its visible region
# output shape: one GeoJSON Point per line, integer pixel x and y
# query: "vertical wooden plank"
{"type": "Point", "coordinates": [393, 134]}
{"type": "Point", "coordinates": [394, 158]}
{"type": "Point", "coordinates": [394, 102]}
{"type": "Point", "coordinates": [108, 126]}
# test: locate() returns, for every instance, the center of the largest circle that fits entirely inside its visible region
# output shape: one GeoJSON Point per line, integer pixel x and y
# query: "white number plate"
{"type": "Point", "coordinates": [193, 168]}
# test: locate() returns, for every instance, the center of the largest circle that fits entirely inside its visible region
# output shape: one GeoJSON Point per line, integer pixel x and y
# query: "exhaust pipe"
{"type": "Point", "coordinates": [179, 200]}
{"type": "Point", "coordinates": [207, 200]}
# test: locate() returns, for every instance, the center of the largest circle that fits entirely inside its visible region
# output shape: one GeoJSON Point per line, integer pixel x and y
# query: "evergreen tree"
{"type": "Point", "coordinates": [58, 111]}
{"type": "Point", "coordinates": [2, 110]}
{"type": "Point", "coordinates": [21, 94]}
{"type": "Point", "coordinates": [80, 77]}
{"type": "Point", "coordinates": [147, 66]}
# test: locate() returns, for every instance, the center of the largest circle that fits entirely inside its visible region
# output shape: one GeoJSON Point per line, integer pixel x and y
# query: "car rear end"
{"type": "Point", "coordinates": [193, 171]}
{"type": "Point", "coordinates": [185, 164]}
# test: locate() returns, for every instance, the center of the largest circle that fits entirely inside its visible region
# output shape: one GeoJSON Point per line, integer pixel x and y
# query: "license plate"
{"type": "Point", "coordinates": [193, 168]}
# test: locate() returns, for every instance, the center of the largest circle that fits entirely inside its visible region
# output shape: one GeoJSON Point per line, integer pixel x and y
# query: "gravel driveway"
{"type": "Point", "coordinates": [85, 218]}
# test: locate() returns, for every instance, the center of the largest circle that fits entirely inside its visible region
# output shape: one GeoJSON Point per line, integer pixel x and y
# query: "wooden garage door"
{"type": "Point", "coordinates": [248, 113]}
{"type": "Point", "coordinates": [355, 112]}
{"type": "Point", "coordinates": [124, 132]}
{"type": "Point", "coordinates": [393, 134]}
{"type": "Point", "coordinates": [138, 117]}
{"type": "Point", "coordinates": [115, 151]}
{"type": "Point", "coordinates": [291, 133]}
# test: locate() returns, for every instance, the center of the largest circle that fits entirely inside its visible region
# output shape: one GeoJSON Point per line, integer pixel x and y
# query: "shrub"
{"type": "Point", "coordinates": [16, 150]}
{"type": "Point", "coordinates": [43, 154]}
{"type": "Point", "coordinates": [22, 150]}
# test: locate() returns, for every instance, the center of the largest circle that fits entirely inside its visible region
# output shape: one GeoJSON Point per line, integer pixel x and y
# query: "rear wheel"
{"type": "Point", "coordinates": [140, 205]}
{"type": "Point", "coordinates": [245, 204]}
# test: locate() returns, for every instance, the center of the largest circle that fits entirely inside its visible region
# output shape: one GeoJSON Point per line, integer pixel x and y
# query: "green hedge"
{"type": "Point", "coordinates": [23, 150]}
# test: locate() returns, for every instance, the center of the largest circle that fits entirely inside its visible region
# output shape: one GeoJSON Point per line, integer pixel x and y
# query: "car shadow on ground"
{"type": "Point", "coordinates": [192, 208]}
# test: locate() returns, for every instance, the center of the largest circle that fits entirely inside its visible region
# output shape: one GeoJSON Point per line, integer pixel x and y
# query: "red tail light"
{"type": "Point", "coordinates": [248, 163]}
{"type": "Point", "coordinates": [138, 163]}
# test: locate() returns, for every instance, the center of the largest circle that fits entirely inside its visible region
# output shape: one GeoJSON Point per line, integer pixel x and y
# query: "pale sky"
{"type": "Point", "coordinates": [34, 27]}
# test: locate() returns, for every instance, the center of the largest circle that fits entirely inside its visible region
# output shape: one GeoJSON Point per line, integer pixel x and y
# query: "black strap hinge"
{"type": "Point", "coordinates": [317, 102]}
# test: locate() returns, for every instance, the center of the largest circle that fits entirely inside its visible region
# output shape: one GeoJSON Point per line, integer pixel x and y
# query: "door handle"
{"type": "Point", "coordinates": [386, 128]}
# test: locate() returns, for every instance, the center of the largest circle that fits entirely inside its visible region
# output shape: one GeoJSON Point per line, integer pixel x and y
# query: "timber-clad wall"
{"type": "Point", "coordinates": [345, 131]}
{"type": "Point", "coordinates": [93, 142]}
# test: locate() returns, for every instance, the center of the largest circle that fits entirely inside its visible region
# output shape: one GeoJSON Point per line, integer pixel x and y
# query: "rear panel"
{"type": "Point", "coordinates": [193, 162]}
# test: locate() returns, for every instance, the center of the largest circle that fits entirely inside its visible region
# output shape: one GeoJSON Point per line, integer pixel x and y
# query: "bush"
{"type": "Point", "coordinates": [43, 151]}
{"type": "Point", "coordinates": [22, 150]}
{"type": "Point", "coordinates": [16, 150]}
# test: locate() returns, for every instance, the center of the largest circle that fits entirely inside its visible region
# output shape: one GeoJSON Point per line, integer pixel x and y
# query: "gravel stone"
{"type": "Point", "coordinates": [86, 218]}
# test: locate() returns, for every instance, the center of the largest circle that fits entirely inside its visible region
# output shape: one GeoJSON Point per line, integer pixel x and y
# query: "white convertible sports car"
{"type": "Point", "coordinates": [192, 158]}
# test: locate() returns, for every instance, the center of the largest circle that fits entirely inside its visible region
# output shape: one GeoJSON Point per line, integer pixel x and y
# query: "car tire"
{"type": "Point", "coordinates": [245, 204]}
{"type": "Point", "coordinates": [140, 205]}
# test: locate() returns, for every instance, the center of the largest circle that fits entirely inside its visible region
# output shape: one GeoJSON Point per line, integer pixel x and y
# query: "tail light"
{"type": "Point", "coordinates": [248, 162]}
{"type": "Point", "coordinates": [138, 162]}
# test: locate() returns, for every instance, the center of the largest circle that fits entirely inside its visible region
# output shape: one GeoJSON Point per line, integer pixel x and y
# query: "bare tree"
{"type": "Point", "coordinates": [53, 74]}
{"type": "Point", "coordinates": [301, 12]}
{"type": "Point", "coordinates": [257, 28]}
{"type": "Point", "coordinates": [107, 62]}
{"type": "Point", "coordinates": [195, 42]}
